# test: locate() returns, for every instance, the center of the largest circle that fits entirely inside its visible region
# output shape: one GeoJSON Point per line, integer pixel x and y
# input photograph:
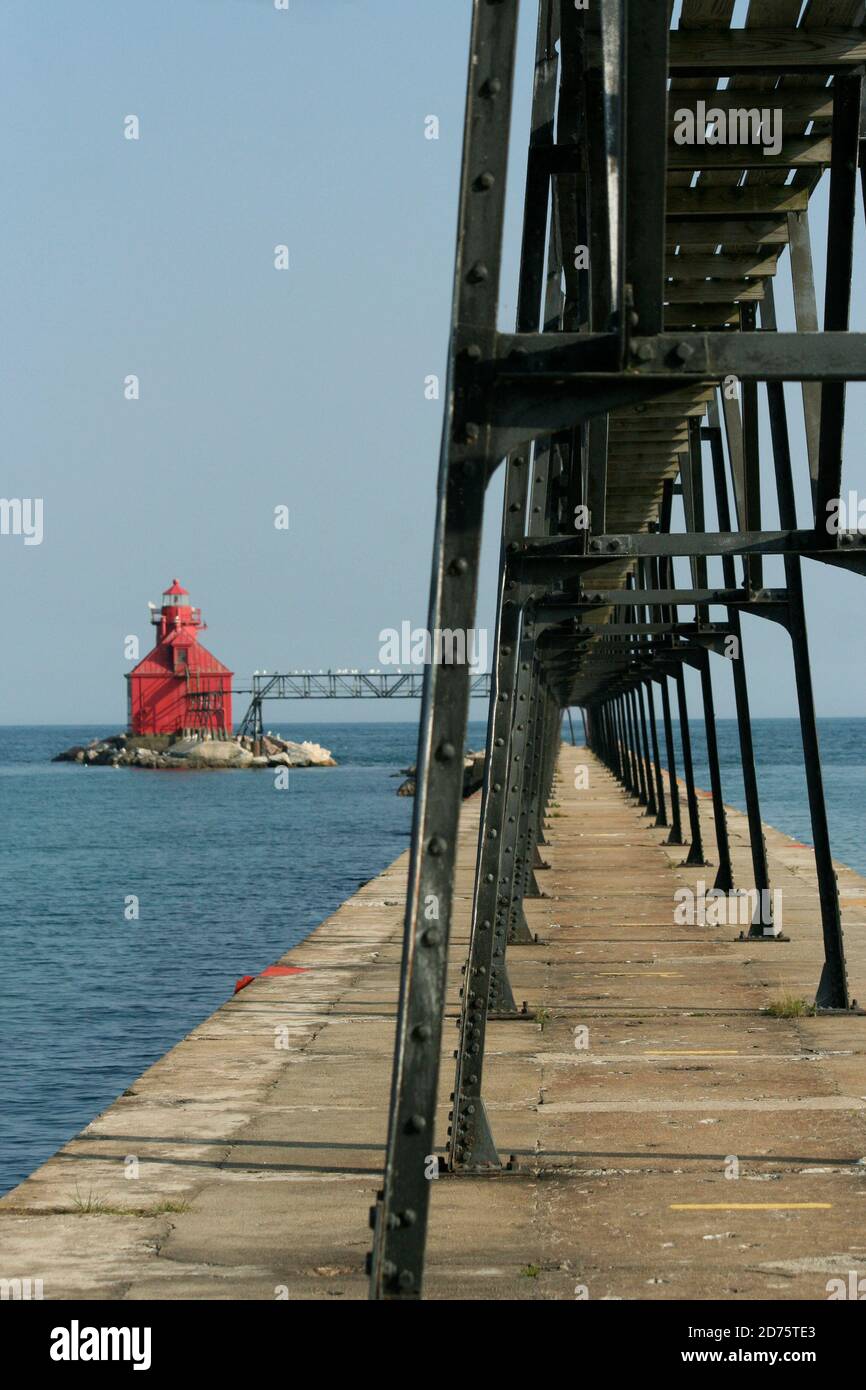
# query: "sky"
{"type": "Point", "coordinates": [260, 388]}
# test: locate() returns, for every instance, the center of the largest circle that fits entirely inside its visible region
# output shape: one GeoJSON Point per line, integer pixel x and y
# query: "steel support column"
{"type": "Point", "coordinates": [400, 1222]}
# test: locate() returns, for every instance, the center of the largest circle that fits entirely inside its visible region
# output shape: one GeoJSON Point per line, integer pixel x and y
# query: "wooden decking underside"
{"type": "Point", "coordinates": [727, 228]}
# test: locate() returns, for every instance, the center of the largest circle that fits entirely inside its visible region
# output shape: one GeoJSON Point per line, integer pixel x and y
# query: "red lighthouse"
{"type": "Point", "coordinates": [179, 687]}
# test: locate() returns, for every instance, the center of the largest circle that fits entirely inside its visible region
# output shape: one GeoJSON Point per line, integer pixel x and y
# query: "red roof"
{"type": "Point", "coordinates": [160, 661]}
{"type": "Point", "coordinates": [176, 588]}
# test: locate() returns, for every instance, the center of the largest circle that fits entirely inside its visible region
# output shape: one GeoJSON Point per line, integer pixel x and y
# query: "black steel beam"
{"type": "Point", "coordinates": [397, 1259]}
{"type": "Point", "coordinates": [527, 360]}
{"type": "Point", "coordinates": [847, 105]}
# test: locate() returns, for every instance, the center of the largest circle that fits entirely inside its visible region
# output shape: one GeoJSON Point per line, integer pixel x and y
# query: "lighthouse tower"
{"type": "Point", "coordinates": [179, 687]}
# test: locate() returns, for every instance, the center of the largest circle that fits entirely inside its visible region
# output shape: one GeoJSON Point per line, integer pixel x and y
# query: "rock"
{"type": "Point", "coordinates": [473, 772]}
{"type": "Point", "coordinates": [97, 750]}
{"type": "Point", "coordinates": [288, 759]}
{"type": "Point", "coordinates": [217, 753]}
{"type": "Point", "coordinates": [75, 754]}
{"type": "Point", "coordinates": [317, 755]}
{"type": "Point", "coordinates": [144, 757]}
{"type": "Point", "coordinates": [120, 750]}
{"type": "Point", "coordinates": [473, 775]}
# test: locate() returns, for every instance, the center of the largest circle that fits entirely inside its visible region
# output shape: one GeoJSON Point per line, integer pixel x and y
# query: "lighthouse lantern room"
{"type": "Point", "coordinates": [179, 687]}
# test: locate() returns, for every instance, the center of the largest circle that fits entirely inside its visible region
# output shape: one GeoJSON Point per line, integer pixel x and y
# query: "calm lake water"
{"type": "Point", "coordinates": [229, 874]}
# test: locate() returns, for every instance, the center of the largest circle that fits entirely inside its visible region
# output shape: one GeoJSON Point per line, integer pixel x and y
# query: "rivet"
{"type": "Point", "coordinates": [447, 751]}
{"type": "Point", "coordinates": [431, 937]}
{"type": "Point", "coordinates": [416, 1124]}
{"type": "Point", "coordinates": [437, 845]}
{"type": "Point", "coordinates": [477, 273]}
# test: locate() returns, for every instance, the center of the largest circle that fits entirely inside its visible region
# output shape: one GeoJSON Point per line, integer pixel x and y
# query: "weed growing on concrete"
{"type": "Point", "coordinates": [790, 1006]}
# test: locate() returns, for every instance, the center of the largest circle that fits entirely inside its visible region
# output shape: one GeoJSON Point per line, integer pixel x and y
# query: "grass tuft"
{"type": "Point", "coordinates": [92, 1205]}
{"type": "Point", "coordinates": [790, 1006]}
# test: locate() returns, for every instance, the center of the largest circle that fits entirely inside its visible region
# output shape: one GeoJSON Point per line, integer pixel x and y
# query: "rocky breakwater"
{"type": "Point", "coordinates": [473, 775]}
{"type": "Point", "coordinates": [187, 754]}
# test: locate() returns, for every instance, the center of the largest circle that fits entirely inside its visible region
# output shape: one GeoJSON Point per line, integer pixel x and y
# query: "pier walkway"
{"type": "Point", "coordinates": [243, 1164]}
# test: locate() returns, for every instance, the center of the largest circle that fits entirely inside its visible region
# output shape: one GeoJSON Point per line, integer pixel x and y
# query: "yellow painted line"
{"type": "Point", "coordinates": [698, 1052]}
{"type": "Point", "coordinates": [750, 1206]}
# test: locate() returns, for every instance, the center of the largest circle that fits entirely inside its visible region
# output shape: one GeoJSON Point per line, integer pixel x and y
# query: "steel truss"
{"type": "Point", "coordinates": [608, 400]}
{"type": "Point", "coordinates": [338, 685]}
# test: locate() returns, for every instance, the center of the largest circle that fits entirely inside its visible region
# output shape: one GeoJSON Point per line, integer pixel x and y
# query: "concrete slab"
{"type": "Point", "coordinates": [672, 1139]}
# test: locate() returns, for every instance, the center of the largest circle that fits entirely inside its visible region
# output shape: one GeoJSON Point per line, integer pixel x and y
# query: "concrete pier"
{"type": "Point", "coordinates": [695, 1147]}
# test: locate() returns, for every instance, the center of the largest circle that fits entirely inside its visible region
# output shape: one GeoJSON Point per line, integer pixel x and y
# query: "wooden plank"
{"type": "Point", "coordinates": [685, 202]}
{"type": "Point", "coordinates": [797, 107]}
{"type": "Point", "coordinates": [719, 231]}
{"type": "Point", "coordinates": [713, 291]}
{"type": "Point", "coordinates": [644, 453]}
{"type": "Point", "coordinates": [683, 401]}
{"type": "Point", "coordinates": [770, 14]}
{"type": "Point", "coordinates": [761, 50]}
{"type": "Point", "coordinates": [695, 408]}
{"type": "Point", "coordinates": [795, 153]}
{"type": "Point", "coordinates": [649, 430]}
{"type": "Point", "coordinates": [821, 14]}
{"type": "Point", "coordinates": [700, 316]}
{"type": "Point", "coordinates": [654, 442]}
{"type": "Point", "coordinates": [721, 267]}
{"type": "Point", "coordinates": [696, 16]}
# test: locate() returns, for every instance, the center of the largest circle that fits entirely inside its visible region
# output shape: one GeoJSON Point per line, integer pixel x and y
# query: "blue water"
{"type": "Point", "coordinates": [229, 873]}
{"type": "Point", "coordinates": [782, 781]}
